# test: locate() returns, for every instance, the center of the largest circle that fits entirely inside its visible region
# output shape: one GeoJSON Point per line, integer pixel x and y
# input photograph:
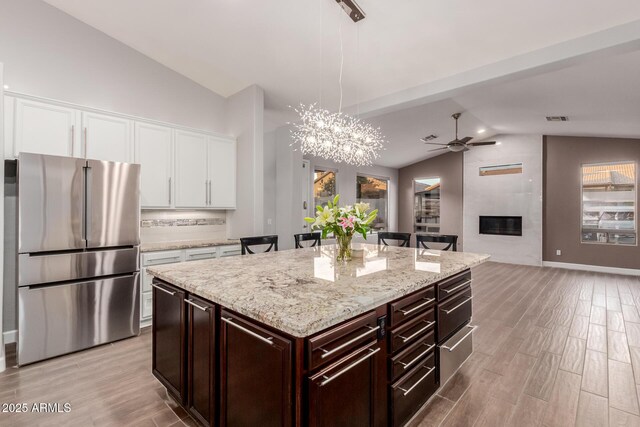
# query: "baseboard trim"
{"type": "Point", "coordinates": [596, 268]}
{"type": "Point", "coordinates": [9, 337]}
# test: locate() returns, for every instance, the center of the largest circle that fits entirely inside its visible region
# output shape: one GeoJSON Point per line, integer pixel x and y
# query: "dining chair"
{"type": "Point", "coordinates": [247, 242]}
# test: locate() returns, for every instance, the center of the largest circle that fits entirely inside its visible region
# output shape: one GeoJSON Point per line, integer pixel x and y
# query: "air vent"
{"type": "Point", "coordinates": [557, 118]}
{"type": "Point", "coordinates": [429, 138]}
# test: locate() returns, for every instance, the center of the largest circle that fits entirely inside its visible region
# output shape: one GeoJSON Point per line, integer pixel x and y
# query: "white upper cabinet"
{"type": "Point", "coordinates": [107, 138]}
{"type": "Point", "coordinates": [192, 183]}
{"type": "Point", "coordinates": [45, 129]}
{"type": "Point", "coordinates": [222, 173]}
{"type": "Point", "coordinates": [154, 153]}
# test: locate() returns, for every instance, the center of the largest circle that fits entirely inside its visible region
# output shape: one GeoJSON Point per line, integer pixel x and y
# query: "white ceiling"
{"type": "Point", "coordinates": [226, 45]}
{"type": "Point", "coordinates": [601, 98]}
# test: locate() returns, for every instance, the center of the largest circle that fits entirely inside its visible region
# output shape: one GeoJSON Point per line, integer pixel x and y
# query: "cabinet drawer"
{"type": "Point", "coordinates": [412, 305]}
{"type": "Point", "coordinates": [341, 340]}
{"type": "Point", "coordinates": [157, 258]}
{"type": "Point", "coordinates": [410, 392]}
{"type": "Point", "coordinates": [200, 253]}
{"type": "Point", "coordinates": [412, 331]}
{"type": "Point", "coordinates": [455, 351]}
{"type": "Point", "coordinates": [146, 281]}
{"type": "Point", "coordinates": [229, 250]}
{"type": "Point", "coordinates": [454, 313]}
{"type": "Point", "coordinates": [410, 357]}
{"type": "Point", "coordinates": [147, 305]}
{"type": "Point", "coordinates": [457, 283]}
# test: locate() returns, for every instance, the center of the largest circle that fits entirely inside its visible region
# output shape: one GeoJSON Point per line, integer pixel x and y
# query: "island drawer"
{"type": "Point", "coordinates": [411, 331]}
{"type": "Point", "coordinates": [450, 286]}
{"type": "Point", "coordinates": [411, 391]}
{"type": "Point", "coordinates": [410, 357]}
{"type": "Point", "coordinates": [341, 340]}
{"type": "Point", "coordinates": [454, 313]}
{"type": "Point", "coordinates": [412, 305]}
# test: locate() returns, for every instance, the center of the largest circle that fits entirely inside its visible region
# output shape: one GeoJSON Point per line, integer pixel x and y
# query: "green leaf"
{"type": "Point", "coordinates": [319, 208]}
{"type": "Point", "coordinates": [310, 220]}
{"type": "Point", "coordinates": [336, 199]}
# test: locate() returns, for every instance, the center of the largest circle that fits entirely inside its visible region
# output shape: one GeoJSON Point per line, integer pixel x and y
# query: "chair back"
{"type": "Point", "coordinates": [305, 237]}
{"type": "Point", "coordinates": [247, 242]}
{"type": "Point", "coordinates": [449, 239]}
{"type": "Point", "coordinates": [402, 238]}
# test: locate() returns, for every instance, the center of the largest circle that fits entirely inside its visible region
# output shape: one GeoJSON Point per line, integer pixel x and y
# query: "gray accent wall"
{"type": "Point", "coordinates": [448, 167]}
{"type": "Point", "coordinates": [563, 158]}
{"type": "Point", "coordinates": [50, 54]}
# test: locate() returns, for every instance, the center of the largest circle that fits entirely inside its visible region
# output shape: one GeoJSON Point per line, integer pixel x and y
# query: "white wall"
{"type": "Point", "coordinates": [2, 356]}
{"type": "Point", "coordinates": [270, 176]}
{"type": "Point", "coordinates": [509, 195]}
{"type": "Point", "coordinates": [51, 54]}
{"type": "Point", "coordinates": [245, 120]}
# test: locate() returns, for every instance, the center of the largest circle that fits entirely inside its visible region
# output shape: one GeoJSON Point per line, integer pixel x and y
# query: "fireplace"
{"type": "Point", "coordinates": [501, 225]}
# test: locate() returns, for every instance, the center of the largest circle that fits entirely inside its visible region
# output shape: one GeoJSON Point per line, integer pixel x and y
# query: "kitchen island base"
{"type": "Point", "coordinates": [378, 368]}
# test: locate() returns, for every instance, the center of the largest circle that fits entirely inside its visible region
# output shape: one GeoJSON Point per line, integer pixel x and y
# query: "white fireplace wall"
{"type": "Point", "coordinates": [505, 195]}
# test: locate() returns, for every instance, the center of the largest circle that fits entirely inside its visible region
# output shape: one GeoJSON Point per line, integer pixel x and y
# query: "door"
{"type": "Point", "coordinates": [201, 378]}
{"type": "Point", "coordinates": [222, 173]}
{"type": "Point", "coordinates": [65, 317]}
{"type": "Point", "coordinates": [344, 394]}
{"type": "Point", "coordinates": [263, 397]}
{"type": "Point", "coordinates": [169, 338]}
{"type": "Point", "coordinates": [154, 153]}
{"type": "Point", "coordinates": [50, 203]}
{"type": "Point", "coordinates": [192, 183]}
{"type": "Point", "coordinates": [45, 129]}
{"type": "Point", "coordinates": [113, 204]}
{"type": "Point", "coordinates": [107, 138]}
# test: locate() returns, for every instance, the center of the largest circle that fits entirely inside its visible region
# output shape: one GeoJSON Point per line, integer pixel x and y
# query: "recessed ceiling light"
{"type": "Point", "coordinates": [482, 130]}
{"type": "Point", "coordinates": [498, 143]}
{"type": "Point", "coordinates": [6, 86]}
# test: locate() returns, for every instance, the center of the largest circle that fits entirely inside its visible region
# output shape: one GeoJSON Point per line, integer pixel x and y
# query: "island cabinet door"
{"type": "Point", "coordinates": [256, 375]}
{"type": "Point", "coordinates": [169, 338]}
{"type": "Point", "coordinates": [201, 345]}
{"type": "Point", "coordinates": [344, 394]}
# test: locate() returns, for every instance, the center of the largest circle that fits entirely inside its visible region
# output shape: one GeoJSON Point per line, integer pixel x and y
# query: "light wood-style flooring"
{"type": "Point", "coordinates": [554, 347]}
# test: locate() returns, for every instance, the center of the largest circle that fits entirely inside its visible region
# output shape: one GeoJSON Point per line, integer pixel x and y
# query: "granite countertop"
{"type": "Point", "coordinates": [186, 244]}
{"type": "Point", "coordinates": [304, 291]}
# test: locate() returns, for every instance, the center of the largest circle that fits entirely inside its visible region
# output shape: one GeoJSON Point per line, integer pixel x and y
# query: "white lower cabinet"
{"type": "Point", "coordinates": [172, 257]}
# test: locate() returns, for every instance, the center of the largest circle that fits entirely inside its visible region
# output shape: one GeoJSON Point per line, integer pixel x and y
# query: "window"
{"type": "Point", "coordinates": [374, 191]}
{"type": "Point", "coordinates": [324, 186]}
{"type": "Point", "coordinates": [426, 205]}
{"type": "Point", "coordinates": [609, 203]}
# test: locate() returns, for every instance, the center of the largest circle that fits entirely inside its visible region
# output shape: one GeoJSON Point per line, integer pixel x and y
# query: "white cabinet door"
{"type": "Point", "coordinates": [154, 153]}
{"type": "Point", "coordinates": [222, 173]}
{"type": "Point", "coordinates": [107, 138]}
{"type": "Point", "coordinates": [192, 189]}
{"type": "Point", "coordinates": [9, 124]}
{"type": "Point", "coordinates": [45, 129]}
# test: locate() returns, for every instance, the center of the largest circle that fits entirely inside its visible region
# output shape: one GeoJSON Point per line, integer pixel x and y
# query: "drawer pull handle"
{"type": "Point", "coordinates": [418, 307]}
{"type": "Point", "coordinates": [415, 334]}
{"type": "Point", "coordinates": [418, 357]}
{"type": "Point", "coordinates": [462, 285]}
{"type": "Point", "coordinates": [163, 290]}
{"type": "Point", "coordinates": [188, 301]}
{"type": "Point", "coordinates": [163, 259]}
{"type": "Point", "coordinates": [268, 340]}
{"type": "Point", "coordinates": [327, 379]}
{"type": "Point", "coordinates": [458, 306]}
{"type": "Point", "coordinates": [407, 391]}
{"type": "Point", "coordinates": [453, 347]}
{"type": "Point", "coordinates": [327, 353]}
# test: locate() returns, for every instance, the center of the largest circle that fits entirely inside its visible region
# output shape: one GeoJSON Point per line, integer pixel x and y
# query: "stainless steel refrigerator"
{"type": "Point", "coordinates": [78, 246]}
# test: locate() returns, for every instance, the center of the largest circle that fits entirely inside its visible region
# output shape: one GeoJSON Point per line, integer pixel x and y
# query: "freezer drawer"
{"type": "Point", "coordinates": [455, 351]}
{"type": "Point", "coordinates": [36, 269]}
{"type": "Point", "coordinates": [62, 318]}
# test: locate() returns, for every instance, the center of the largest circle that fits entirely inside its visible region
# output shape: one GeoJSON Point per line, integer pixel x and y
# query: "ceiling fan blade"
{"type": "Point", "coordinates": [465, 149]}
{"type": "Point", "coordinates": [438, 149]}
{"type": "Point", "coordinates": [465, 140]}
{"type": "Point", "coordinates": [435, 143]}
{"type": "Point", "coordinates": [477, 144]}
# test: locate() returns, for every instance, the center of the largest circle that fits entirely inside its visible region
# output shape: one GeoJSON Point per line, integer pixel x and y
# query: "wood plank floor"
{"type": "Point", "coordinates": [554, 347]}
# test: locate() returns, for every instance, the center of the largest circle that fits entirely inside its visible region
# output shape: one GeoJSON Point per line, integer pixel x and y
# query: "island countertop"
{"type": "Point", "coordinates": [304, 291]}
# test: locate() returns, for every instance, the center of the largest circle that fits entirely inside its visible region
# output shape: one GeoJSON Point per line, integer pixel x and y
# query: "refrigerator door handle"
{"type": "Point", "coordinates": [88, 176]}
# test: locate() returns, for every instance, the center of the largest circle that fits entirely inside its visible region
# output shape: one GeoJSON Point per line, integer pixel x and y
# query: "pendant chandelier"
{"type": "Point", "coordinates": [338, 136]}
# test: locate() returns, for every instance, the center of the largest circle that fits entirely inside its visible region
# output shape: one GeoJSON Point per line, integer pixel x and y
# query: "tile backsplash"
{"type": "Point", "coordinates": [172, 225]}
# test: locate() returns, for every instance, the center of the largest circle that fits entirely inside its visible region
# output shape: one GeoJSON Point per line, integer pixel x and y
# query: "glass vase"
{"type": "Point", "coordinates": [344, 248]}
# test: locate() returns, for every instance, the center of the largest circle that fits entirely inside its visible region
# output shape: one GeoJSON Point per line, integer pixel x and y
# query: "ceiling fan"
{"type": "Point", "coordinates": [457, 145]}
